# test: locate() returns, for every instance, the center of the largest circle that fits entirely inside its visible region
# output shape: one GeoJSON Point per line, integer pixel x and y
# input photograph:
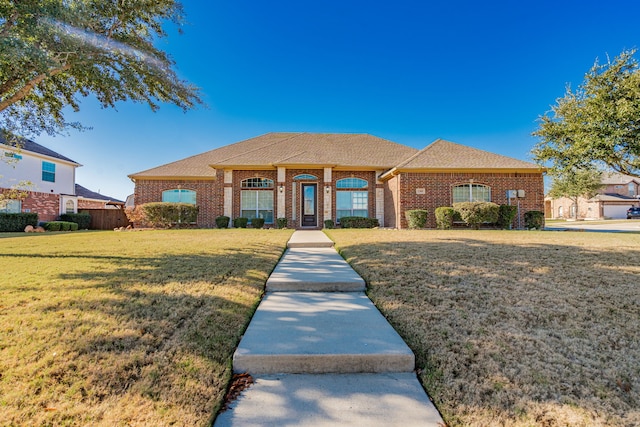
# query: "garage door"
{"type": "Point", "coordinates": [616, 211]}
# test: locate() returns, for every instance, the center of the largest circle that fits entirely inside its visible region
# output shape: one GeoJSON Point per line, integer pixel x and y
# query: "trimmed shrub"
{"type": "Point", "coordinates": [358, 222]}
{"type": "Point", "coordinates": [240, 222]}
{"type": "Point", "coordinates": [534, 220]}
{"type": "Point", "coordinates": [82, 219]}
{"type": "Point", "coordinates": [222, 221]}
{"type": "Point", "coordinates": [162, 214]}
{"type": "Point", "coordinates": [506, 215]}
{"type": "Point", "coordinates": [65, 226]}
{"type": "Point", "coordinates": [328, 223]}
{"type": "Point", "coordinates": [52, 225]}
{"type": "Point", "coordinates": [476, 213]}
{"type": "Point", "coordinates": [73, 226]}
{"type": "Point", "coordinates": [257, 222]}
{"type": "Point", "coordinates": [444, 217]}
{"type": "Point", "coordinates": [14, 222]}
{"type": "Point", "coordinates": [416, 218]}
{"type": "Point", "coordinates": [282, 222]}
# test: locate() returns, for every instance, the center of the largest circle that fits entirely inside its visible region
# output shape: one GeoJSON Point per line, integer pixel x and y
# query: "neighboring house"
{"type": "Point", "coordinates": [309, 178]}
{"type": "Point", "coordinates": [619, 193]}
{"type": "Point", "coordinates": [88, 199]}
{"type": "Point", "coordinates": [52, 176]}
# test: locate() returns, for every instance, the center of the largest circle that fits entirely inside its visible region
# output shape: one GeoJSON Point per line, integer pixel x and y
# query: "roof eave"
{"type": "Point", "coordinates": [467, 170]}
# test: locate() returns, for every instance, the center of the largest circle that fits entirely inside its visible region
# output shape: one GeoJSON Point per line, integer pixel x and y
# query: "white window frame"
{"type": "Point", "coordinates": [470, 196]}
{"type": "Point", "coordinates": [357, 199]}
{"type": "Point", "coordinates": [256, 204]}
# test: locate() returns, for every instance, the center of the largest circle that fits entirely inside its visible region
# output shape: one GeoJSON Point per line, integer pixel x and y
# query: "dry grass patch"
{"type": "Point", "coordinates": [111, 329]}
{"type": "Point", "coordinates": [513, 328]}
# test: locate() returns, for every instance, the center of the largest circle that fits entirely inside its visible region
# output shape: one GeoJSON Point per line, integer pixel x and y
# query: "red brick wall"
{"type": "Point", "coordinates": [90, 204]}
{"type": "Point", "coordinates": [209, 195]}
{"type": "Point", "coordinates": [46, 205]}
{"type": "Point", "coordinates": [438, 191]}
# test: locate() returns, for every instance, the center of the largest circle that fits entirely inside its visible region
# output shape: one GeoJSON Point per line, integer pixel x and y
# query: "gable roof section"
{"type": "Point", "coordinates": [612, 178]}
{"type": "Point", "coordinates": [28, 145]}
{"type": "Point", "coordinates": [443, 156]}
{"type": "Point", "coordinates": [85, 193]}
{"type": "Point", "coordinates": [342, 151]}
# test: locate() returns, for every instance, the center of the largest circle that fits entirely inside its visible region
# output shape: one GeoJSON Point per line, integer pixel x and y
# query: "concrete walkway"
{"type": "Point", "coordinates": [321, 354]}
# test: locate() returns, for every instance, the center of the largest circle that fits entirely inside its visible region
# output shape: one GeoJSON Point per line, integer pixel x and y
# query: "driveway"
{"type": "Point", "coordinates": [610, 226]}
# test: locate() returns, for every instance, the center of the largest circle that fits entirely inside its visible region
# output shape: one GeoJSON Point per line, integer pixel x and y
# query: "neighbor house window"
{"type": "Point", "coordinates": [70, 207]}
{"type": "Point", "coordinates": [179, 196]}
{"type": "Point", "coordinates": [257, 204]}
{"type": "Point", "coordinates": [49, 171]}
{"type": "Point", "coordinates": [561, 212]}
{"type": "Point", "coordinates": [10, 206]}
{"type": "Point", "coordinates": [632, 189]}
{"type": "Point", "coordinates": [257, 183]}
{"type": "Point", "coordinates": [471, 193]}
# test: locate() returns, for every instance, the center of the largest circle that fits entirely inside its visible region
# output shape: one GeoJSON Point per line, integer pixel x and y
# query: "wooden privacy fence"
{"type": "Point", "coordinates": [106, 219]}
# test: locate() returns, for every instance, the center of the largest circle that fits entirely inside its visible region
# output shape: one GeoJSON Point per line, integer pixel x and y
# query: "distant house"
{"type": "Point", "coordinates": [619, 193]}
{"type": "Point", "coordinates": [88, 199]}
{"type": "Point", "coordinates": [53, 190]}
{"type": "Point", "coordinates": [308, 178]}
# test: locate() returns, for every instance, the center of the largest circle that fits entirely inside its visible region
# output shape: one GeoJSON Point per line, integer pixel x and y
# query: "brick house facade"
{"type": "Point", "coordinates": [310, 178]}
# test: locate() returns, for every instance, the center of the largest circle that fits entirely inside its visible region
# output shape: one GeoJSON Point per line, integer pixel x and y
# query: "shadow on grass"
{"type": "Point", "coordinates": [519, 333]}
{"type": "Point", "coordinates": [135, 332]}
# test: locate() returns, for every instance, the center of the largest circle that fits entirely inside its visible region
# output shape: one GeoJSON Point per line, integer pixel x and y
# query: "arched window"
{"type": "Point", "coordinates": [70, 207]}
{"type": "Point", "coordinates": [179, 195]}
{"type": "Point", "coordinates": [257, 183]}
{"type": "Point", "coordinates": [561, 212]}
{"type": "Point", "coordinates": [471, 193]}
{"type": "Point", "coordinates": [305, 177]}
{"type": "Point", "coordinates": [351, 183]}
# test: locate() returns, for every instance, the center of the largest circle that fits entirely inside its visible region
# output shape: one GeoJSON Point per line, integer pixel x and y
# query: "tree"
{"type": "Point", "coordinates": [576, 184]}
{"type": "Point", "coordinates": [53, 51]}
{"type": "Point", "coordinates": [597, 125]}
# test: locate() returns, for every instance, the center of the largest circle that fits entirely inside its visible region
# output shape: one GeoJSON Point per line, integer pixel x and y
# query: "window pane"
{"type": "Point", "coordinates": [480, 193]}
{"type": "Point", "coordinates": [248, 200]}
{"type": "Point", "coordinates": [343, 200]}
{"type": "Point", "coordinates": [265, 200]}
{"type": "Point", "coordinates": [461, 193]}
{"type": "Point", "coordinates": [340, 213]}
{"type": "Point", "coordinates": [305, 177]}
{"type": "Point", "coordinates": [309, 200]}
{"type": "Point", "coordinates": [351, 183]}
{"type": "Point", "coordinates": [360, 200]}
{"type": "Point", "coordinates": [179, 196]}
{"type": "Point", "coordinates": [10, 206]}
{"type": "Point", "coordinates": [257, 183]}
{"type": "Point", "coordinates": [70, 207]}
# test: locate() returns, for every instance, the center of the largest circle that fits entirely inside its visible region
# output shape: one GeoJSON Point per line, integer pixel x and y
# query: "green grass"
{"type": "Point", "coordinates": [132, 328]}
{"type": "Point", "coordinates": [512, 328]}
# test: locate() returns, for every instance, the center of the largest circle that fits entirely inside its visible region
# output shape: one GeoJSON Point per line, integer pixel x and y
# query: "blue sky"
{"type": "Point", "coordinates": [476, 73]}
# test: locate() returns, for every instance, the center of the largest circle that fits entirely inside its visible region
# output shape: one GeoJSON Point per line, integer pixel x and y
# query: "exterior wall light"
{"type": "Point", "coordinates": [327, 189]}
{"type": "Point", "coordinates": [281, 188]}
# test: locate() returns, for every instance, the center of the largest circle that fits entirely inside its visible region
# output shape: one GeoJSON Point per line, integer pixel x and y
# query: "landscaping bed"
{"type": "Point", "coordinates": [512, 328]}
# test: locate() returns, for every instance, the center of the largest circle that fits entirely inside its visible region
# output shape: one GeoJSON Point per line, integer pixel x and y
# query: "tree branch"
{"type": "Point", "coordinates": [29, 86]}
{"type": "Point", "coordinates": [9, 23]}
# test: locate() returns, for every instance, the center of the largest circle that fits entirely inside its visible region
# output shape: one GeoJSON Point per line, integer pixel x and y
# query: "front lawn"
{"type": "Point", "coordinates": [512, 328]}
{"type": "Point", "coordinates": [131, 328]}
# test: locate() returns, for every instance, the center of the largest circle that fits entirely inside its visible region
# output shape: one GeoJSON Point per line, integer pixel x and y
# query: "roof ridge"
{"type": "Point", "coordinates": [419, 152]}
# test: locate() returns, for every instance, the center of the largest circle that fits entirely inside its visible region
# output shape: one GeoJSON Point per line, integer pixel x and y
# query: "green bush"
{"type": "Point", "coordinates": [52, 225]}
{"type": "Point", "coordinates": [416, 218]}
{"type": "Point", "coordinates": [282, 222]}
{"type": "Point", "coordinates": [534, 219]}
{"type": "Point", "coordinates": [65, 226]}
{"type": "Point", "coordinates": [257, 222]}
{"type": "Point", "coordinates": [240, 222]}
{"type": "Point", "coordinates": [82, 219]}
{"type": "Point", "coordinates": [358, 222]}
{"type": "Point", "coordinates": [14, 222]}
{"type": "Point", "coordinates": [444, 217]}
{"type": "Point", "coordinates": [222, 221]}
{"type": "Point", "coordinates": [162, 214]}
{"type": "Point", "coordinates": [73, 226]}
{"type": "Point", "coordinates": [328, 223]}
{"type": "Point", "coordinates": [476, 213]}
{"type": "Point", "coordinates": [506, 215]}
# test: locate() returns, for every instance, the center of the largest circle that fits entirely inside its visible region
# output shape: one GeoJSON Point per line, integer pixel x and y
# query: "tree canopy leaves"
{"type": "Point", "coordinates": [53, 51]}
{"type": "Point", "coordinates": [597, 125]}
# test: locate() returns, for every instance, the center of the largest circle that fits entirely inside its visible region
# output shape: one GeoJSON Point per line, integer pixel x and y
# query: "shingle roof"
{"type": "Point", "coordinates": [34, 147]}
{"type": "Point", "coordinates": [443, 154]}
{"type": "Point", "coordinates": [609, 178]}
{"type": "Point", "coordinates": [88, 194]}
{"type": "Point", "coordinates": [290, 149]}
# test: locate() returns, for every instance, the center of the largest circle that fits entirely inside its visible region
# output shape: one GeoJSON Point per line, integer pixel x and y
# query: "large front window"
{"type": "Point", "coordinates": [257, 204]}
{"type": "Point", "coordinates": [471, 193]}
{"type": "Point", "coordinates": [352, 203]}
{"type": "Point", "coordinates": [179, 196]}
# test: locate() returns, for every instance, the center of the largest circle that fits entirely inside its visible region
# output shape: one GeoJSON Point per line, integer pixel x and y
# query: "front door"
{"type": "Point", "coordinates": [309, 205]}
